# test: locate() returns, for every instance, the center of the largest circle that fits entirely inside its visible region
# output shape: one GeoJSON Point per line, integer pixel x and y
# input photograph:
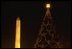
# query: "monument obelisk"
{"type": "Point", "coordinates": [17, 35]}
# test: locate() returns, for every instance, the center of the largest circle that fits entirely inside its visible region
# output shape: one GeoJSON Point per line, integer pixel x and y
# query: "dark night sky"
{"type": "Point", "coordinates": [31, 14]}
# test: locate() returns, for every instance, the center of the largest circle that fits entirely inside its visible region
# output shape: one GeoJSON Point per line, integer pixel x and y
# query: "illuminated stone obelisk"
{"type": "Point", "coordinates": [17, 35]}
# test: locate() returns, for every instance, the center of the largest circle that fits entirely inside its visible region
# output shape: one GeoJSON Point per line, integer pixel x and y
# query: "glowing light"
{"type": "Point", "coordinates": [47, 5]}
{"type": "Point", "coordinates": [17, 38]}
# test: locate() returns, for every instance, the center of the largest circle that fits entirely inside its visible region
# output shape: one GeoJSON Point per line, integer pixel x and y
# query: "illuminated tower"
{"type": "Point", "coordinates": [47, 37]}
{"type": "Point", "coordinates": [17, 35]}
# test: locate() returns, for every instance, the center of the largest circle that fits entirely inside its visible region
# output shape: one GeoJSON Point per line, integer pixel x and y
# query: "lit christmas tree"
{"type": "Point", "coordinates": [47, 37]}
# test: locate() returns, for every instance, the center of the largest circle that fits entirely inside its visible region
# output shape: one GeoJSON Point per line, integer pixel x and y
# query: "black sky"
{"type": "Point", "coordinates": [31, 14]}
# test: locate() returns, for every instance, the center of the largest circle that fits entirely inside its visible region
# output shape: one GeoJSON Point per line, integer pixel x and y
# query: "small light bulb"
{"type": "Point", "coordinates": [47, 5]}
